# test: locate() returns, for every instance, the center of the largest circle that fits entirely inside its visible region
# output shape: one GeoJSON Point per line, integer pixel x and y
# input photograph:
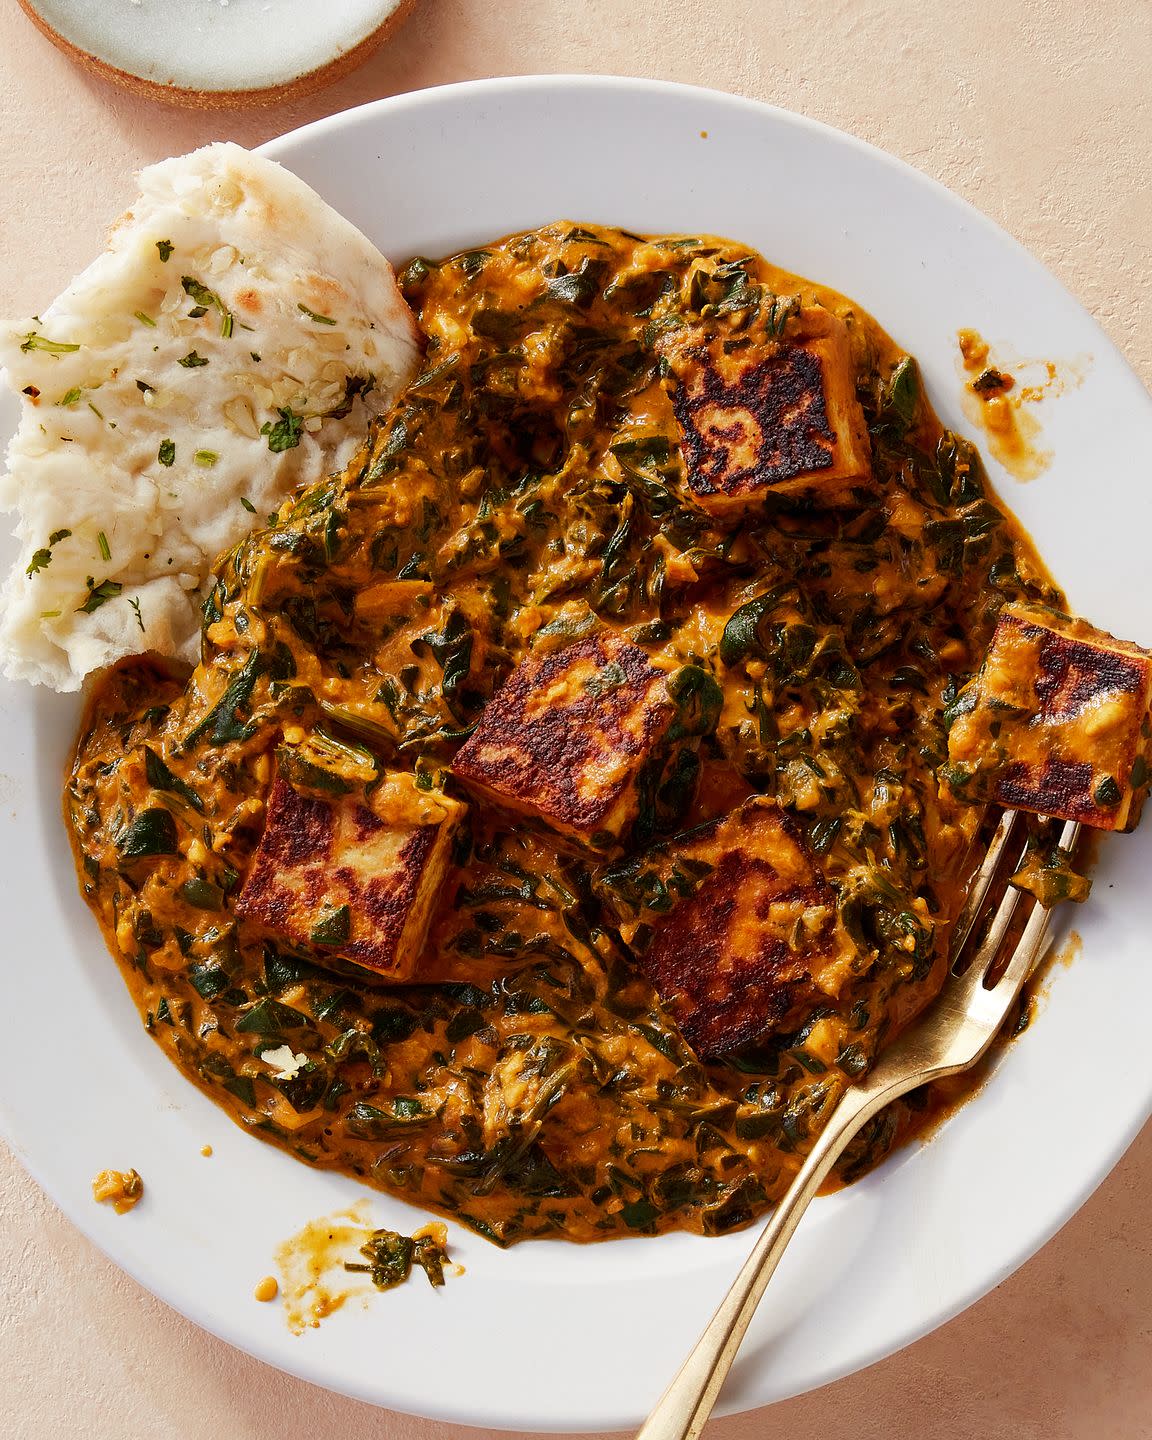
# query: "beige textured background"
{"type": "Point", "coordinates": [1039, 113]}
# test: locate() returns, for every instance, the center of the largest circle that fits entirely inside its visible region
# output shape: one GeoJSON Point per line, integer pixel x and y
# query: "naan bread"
{"type": "Point", "coordinates": [230, 346]}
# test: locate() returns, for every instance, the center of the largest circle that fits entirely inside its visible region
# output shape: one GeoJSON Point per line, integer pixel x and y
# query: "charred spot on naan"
{"type": "Point", "coordinates": [351, 877]}
{"type": "Point", "coordinates": [763, 414]}
{"type": "Point", "coordinates": [757, 944]}
{"type": "Point", "coordinates": [566, 736]}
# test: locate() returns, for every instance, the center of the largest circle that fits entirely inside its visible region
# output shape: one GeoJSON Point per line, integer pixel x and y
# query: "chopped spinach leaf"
{"type": "Point", "coordinates": [150, 832]}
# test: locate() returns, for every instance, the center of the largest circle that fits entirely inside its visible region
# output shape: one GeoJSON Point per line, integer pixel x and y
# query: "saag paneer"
{"type": "Point", "coordinates": [555, 483]}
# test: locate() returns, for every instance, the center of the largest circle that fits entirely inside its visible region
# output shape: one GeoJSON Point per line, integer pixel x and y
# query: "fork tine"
{"type": "Point", "coordinates": [981, 883]}
{"type": "Point", "coordinates": [990, 945]}
{"type": "Point", "coordinates": [1031, 943]}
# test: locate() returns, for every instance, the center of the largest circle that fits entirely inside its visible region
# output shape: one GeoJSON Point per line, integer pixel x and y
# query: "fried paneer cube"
{"type": "Point", "coordinates": [566, 736]}
{"type": "Point", "coordinates": [350, 877]}
{"type": "Point", "coordinates": [759, 941]}
{"type": "Point", "coordinates": [1055, 721]}
{"type": "Point", "coordinates": [767, 416]}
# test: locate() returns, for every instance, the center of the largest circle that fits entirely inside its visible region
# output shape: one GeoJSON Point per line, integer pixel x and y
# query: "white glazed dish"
{"type": "Point", "coordinates": [549, 1336]}
{"type": "Point", "coordinates": [204, 52]}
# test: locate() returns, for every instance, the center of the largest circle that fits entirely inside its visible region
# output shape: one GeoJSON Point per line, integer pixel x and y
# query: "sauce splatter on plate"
{"type": "Point", "coordinates": [999, 394]}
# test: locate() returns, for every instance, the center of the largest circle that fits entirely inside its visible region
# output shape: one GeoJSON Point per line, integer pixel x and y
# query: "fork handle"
{"type": "Point", "coordinates": [684, 1408]}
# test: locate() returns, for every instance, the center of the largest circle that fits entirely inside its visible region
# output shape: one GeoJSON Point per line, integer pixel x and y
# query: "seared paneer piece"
{"type": "Point", "coordinates": [766, 415]}
{"type": "Point", "coordinates": [1056, 721]}
{"type": "Point", "coordinates": [566, 736]}
{"type": "Point", "coordinates": [756, 943]}
{"type": "Point", "coordinates": [352, 876]}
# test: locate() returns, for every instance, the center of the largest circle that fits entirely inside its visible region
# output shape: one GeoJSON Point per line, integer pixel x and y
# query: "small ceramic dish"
{"type": "Point", "coordinates": [208, 53]}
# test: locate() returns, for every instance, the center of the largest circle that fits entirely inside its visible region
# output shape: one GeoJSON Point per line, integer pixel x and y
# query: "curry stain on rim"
{"type": "Point", "coordinates": [314, 1283]}
{"type": "Point", "coordinates": [995, 394]}
{"type": "Point", "coordinates": [262, 97]}
{"type": "Point", "coordinates": [320, 1265]}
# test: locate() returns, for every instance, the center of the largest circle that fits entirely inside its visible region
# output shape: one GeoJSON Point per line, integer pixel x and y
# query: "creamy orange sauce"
{"type": "Point", "coordinates": [532, 481]}
{"type": "Point", "coordinates": [122, 1189]}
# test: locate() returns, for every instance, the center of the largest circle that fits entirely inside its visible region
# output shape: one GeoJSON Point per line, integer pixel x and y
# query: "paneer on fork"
{"type": "Point", "coordinates": [1056, 721]}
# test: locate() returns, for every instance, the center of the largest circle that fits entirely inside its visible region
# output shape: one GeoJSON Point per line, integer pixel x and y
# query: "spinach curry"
{"type": "Point", "coordinates": [529, 491]}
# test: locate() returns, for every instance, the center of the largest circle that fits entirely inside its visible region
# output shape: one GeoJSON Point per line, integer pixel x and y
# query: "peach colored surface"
{"type": "Point", "coordinates": [1038, 111]}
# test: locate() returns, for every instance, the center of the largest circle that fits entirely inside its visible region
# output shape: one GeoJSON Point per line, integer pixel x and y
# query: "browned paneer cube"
{"type": "Point", "coordinates": [566, 735]}
{"type": "Point", "coordinates": [1055, 721]}
{"type": "Point", "coordinates": [758, 942]}
{"type": "Point", "coordinates": [351, 877]}
{"type": "Point", "coordinates": [759, 416]}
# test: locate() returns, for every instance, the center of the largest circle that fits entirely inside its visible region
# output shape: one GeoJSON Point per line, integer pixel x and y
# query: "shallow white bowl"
{"type": "Point", "coordinates": [550, 1336]}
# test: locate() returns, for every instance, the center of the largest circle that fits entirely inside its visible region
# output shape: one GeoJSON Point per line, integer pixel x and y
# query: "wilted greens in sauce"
{"type": "Point", "coordinates": [529, 490]}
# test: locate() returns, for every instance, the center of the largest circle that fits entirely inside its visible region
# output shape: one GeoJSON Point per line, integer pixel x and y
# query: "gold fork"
{"type": "Point", "coordinates": [956, 1031]}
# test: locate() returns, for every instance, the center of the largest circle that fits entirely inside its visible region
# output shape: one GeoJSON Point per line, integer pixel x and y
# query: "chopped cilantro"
{"type": "Point", "coordinates": [286, 433]}
{"type": "Point", "coordinates": [70, 397]}
{"type": "Point", "coordinates": [191, 360]}
{"type": "Point", "coordinates": [248, 505]}
{"type": "Point", "coordinates": [43, 557]}
{"type": "Point", "coordinates": [32, 341]}
{"type": "Point", "coordinates": [167, 452]}
{"type": "Point", "coordinates": [197, 311]}
{"type": "Point", "coordinates": [165, 248]}
{"type": "Point", "coordinates": [98, 595]}
{"type": "Point", "coordinates": [254, 356]}
{"type": "Point", "coordinates": [198, 292]}
{"type": "Point", "coordinates": [312, 315]}
{"type": "Point", "coordinates": [144, 387]}
{"type": "Point", "coordinates": [135, 604]}
{"type": "Point", "coordinates": [206, 457]}
{"type": "Point", "coordinates": [105, 549]}
{"type": "Point", "coordinates": [205, 298]}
